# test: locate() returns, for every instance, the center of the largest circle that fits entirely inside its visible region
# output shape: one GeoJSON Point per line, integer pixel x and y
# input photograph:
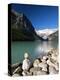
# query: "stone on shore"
{"type": "Point", "coordinates": [36, 63]}
{"type": "Point", "coordinates": [18, 70]}
{"type": "Point", "coordinates": [53, 61]}
{"type": "Point", "coordinates": [43, 64]}
{"type": "Point", "coordinates": [52, 70]}
{"type": "Point", "coordinates": [26, 73]}
{"type": "Point", "coordinates": [49, 64]}
{"type": "Point", "coordinates": [37, 71]}
{"type": "Point", "coordinates": [26, 62]}
{"type": "Point", "coordinates": [16, 75]}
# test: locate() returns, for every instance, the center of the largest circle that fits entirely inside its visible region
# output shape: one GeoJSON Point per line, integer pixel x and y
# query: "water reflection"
{"type": "Point", "coordinates": [42, 48]}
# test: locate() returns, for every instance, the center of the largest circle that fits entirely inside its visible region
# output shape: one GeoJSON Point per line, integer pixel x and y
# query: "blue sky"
{"type": "Point", "coordinates": [41, 16]}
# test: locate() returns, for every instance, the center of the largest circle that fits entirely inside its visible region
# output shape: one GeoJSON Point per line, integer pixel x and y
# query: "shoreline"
{"type": "Point", "coordinates": [17, 68]}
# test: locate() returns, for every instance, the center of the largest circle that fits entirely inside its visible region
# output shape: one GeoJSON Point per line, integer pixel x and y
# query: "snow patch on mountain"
{"type": "Point", "coordinates": [45, 32]}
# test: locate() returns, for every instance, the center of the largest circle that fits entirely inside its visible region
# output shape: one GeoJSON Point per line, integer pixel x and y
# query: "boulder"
{"type": "Point", "coordinates": [36, 63]}
{"type": "Point", "coordinates": [52, 70]}
{"type": "Point", "coordinates": [37, 71]}
{"type": "Point", "coordinates": [16, 75]}
{"type": "Point", "coordinates": [26, 62]}
{"type": "Point", "coordinates": [53, 67]}
{"type": "Point", "coordinates": [26, 73]}
{"type": "Point", "coordinates": [43, 66]}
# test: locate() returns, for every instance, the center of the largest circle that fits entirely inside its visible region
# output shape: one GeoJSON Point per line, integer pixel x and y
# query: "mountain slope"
{"type": "Point", "coordinates": [22, 28]}
{"type": "Point", "coordinates": [53, 36]}
{"type": "Point", "coordinates": [45, 33]}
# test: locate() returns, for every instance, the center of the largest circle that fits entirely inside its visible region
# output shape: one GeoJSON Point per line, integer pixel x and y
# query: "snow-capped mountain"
{"type": "Point", "coordinates": [45, 32]}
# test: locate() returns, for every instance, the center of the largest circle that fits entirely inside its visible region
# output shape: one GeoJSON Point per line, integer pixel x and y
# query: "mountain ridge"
{"type": "Point", "coordinates": [46, 33]}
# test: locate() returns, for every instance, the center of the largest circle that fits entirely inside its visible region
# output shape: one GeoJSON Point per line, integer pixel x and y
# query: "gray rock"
{"type": "Point", "coordinates": [43, 66]}
{"type": "Point", "coordinates": [36, 63]}
{"type": "Point", "coordinates": [26, 73]}
{"type": "Point", "coordinates": [52, 70]}
{"type": "Point", "coordinates": [37, 71]}
{"type": "Point", "coordinates": [26, 62]}
{"type": "Point", "coordinates": [18, 70]}
{"type": "Point", "coordinates": [16, 75]}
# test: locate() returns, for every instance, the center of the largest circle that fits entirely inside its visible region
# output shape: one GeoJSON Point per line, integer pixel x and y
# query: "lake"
{"type": "Point", "coordinates": [35, 49]}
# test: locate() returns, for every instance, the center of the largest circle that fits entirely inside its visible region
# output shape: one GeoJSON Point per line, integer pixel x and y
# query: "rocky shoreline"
{"type": "Point", "coordinates": [49, 64]}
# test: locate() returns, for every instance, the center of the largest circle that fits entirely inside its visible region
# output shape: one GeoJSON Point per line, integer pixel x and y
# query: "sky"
{"type": "Point", "coordinates": [41, 16]}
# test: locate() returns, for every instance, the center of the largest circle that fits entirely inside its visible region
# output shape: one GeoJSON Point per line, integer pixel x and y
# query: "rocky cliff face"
{"type": "Point", "coordinates": [53, 36]}
{"type": "Point", "coordinates": [21, 27]}
{"type": "Point", "coordinates": [48, 34]}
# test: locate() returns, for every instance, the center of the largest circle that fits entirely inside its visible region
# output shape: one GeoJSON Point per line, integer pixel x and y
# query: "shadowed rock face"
{"type": "Point", "coordinates": [22, 28]}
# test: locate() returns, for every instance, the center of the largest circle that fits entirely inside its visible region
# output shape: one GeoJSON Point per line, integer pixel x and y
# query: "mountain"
{"type": "Point", "coordinates": [45, 33]}
{"type": "Point", "coordinates": [53, 36]}
{"type": "Point", "coordinates": [23, 30]}
{"type": "Point", "coordinates": [21, 27]}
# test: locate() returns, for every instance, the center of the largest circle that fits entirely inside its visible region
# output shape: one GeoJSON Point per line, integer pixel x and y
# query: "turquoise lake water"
{"type": "Point", "coordinates": [34, 48]}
